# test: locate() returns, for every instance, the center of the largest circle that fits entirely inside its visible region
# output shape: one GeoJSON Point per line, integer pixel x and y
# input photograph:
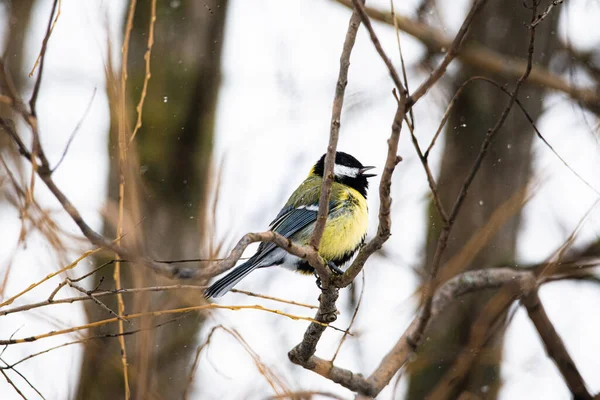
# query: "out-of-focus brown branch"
{"type": "Point", "coordinates": [183, 310]}
{"type": "Point", "coordinates": [479, 334]}
{"type": "Point", "coordinates": [555, 347]}
{"type": "Point", "coordinates": [87, 339]}
{"type": "Point", "coordinates": [453, 50]}
{"type": "Point", "coordinates": [123, 161]}
{"type": "Point", "coordinates": [456, 208]}
{"type": "Point", "coordinates": [148, 74]}
{"type": "Point", "coordinates": [171, 271]}
{"type": "Point", "coordinates": [106, 293]}
{"type": "Point", "coordinates": [523, 286]}
{"type": "Point", "coordinates": [482, 57]}
{"type": "Point", "coordinates": [277, 384]}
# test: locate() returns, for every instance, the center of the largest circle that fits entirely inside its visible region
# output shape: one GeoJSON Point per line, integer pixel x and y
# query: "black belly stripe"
{"type": "Point", "coordinates": [305, 268]}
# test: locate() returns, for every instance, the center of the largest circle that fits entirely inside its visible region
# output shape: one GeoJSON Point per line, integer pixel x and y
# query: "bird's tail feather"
{"type": "Point", "coordinates": [223, 285]}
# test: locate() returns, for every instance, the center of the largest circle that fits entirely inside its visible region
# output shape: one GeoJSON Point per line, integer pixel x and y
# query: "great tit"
{"type": "Point", "coordinates": [345, 228]}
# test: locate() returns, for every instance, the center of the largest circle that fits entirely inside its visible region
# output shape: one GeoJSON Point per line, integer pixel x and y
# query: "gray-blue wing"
{"type": "Point", "coordinates": [287, 224]}
{"type": "Point", "coordinates": [289, 221]}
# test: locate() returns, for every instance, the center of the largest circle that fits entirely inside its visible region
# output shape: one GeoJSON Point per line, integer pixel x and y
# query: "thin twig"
{"type": "Point", "coordinates": [68, 300]}
{"type": "Point", "coordinates": [546, 12]}
{"type": "Point", "coordinates": [365, 19]}
{"type": "Point", "coordinates": [159, 313]}
{"type": "Point", "coordinates": [336, 112]}
{"type": "Point", "coordinates": [166, 269]}
{"type": "Point", "coordinates": [277, 299]}
{"type": "Point", "coordinates": [402, 64]}
{"type": "Point", "coordinates": [46, 38]}
{"type": "Point", "coordinates": [12, 368]}
{"type": "Point", "coordinates": [484, 58]}
{"type": "Point", "coordinates": [430, 179]}
{"type": "Point", "coordinates": [354, 314]}
{"type": "Point", "coordinates": [92, 297]}
{"type": "Point", "coordinates": [41, 56]}
{"type": "Point", "coordinates": [77, 127]}
{"type": "Point", "coordinates": [122, 140]}
{"type": "Point", "coordinates": [555, 347]}
{"type": "Point", "coordinates": [192, 373]}
{"type": "Point", "coordinates": [11, 383]}
{"type": "Point", "coordinates": [451, 54]}
{"type": "Point", "coordinates": [147, 76]}
{"type": "Point", "coordinates": [89, 338]}
{"type": "Point", "coordinates": [49, 276]}
{"type": "Point", "coordinates": [447, 228]}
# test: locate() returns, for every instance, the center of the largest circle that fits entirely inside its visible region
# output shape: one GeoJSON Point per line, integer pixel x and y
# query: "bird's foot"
{"type": "Point", "coordinates": [336, 270]}
{"type": "Point", "coordinates": [318, 282]}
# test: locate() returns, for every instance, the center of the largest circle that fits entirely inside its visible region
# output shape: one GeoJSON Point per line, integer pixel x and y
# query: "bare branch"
{"type": "Point", "coordinates": [555, 347]}
{"type": "Point", "coordinates": [77, 127]}
{"type": "Point", "coordinates": [451, 54]}
{"type": "Point", "coordinates": [385, 203]}
{"type": "Point", "coordinates": [336, 113]}
{"type": "Point", "coordinates": [546, 12]}
{"type": "Point", "coordinates": [445, 234]}
{"type": "Point", "coordinates": [388, 63]}
{"type": "Point", "coordinates": [41, 57]}
{"type": "Point", "coordinates": [326, 314]}
{"type": "Point", "coordinates": [397, 357]}
{"type": "Point", "coordinates": [482, 57]}
{"type": "Point", "coordinates": [182, 310]}
{"type": "Point", "coordinates": [105, 293]}
{"type": "Point", "coordinates": [11, 383]}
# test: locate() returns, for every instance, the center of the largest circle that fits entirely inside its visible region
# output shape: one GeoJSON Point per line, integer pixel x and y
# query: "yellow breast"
{"type": "Point", "coordinates": [346, 226]}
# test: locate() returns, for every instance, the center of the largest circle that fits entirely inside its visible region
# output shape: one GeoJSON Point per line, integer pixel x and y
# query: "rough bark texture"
{"type": "Point", "coordinates": [505, 171]}
{"type": "Point", "coordinates": [166, 184]}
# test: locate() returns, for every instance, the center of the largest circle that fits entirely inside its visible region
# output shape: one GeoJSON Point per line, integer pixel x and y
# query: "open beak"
{"type": "Point", "coordinates": [365, 169]}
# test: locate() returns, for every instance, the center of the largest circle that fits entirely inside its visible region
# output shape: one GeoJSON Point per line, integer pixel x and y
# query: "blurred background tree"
{"type": "Point", "coordinates": [502, 26]}
{"type": "Point", "coordinates": [164, 215]}
{"type": "Point", "coordinates": [18, 19]}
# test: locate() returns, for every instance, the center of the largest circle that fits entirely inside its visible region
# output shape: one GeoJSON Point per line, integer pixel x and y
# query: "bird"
{"type": "Point", "coordinates": [345, 227]}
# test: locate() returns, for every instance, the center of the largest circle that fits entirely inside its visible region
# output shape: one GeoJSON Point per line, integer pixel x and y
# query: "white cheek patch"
{"type": "Point", "coordinates": [343, 171]}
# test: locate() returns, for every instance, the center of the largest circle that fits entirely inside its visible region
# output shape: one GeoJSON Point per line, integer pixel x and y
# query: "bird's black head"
{"type": "Point", "coordinates": [348, 171]}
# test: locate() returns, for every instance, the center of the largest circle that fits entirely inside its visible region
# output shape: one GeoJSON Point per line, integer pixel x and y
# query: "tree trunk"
{"type": "Point", "coordinates": [505, 172]}
{"type": "Point", "coordinates": [164, 213]}
{"type": "Point", "coordinates": [17, 23]}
